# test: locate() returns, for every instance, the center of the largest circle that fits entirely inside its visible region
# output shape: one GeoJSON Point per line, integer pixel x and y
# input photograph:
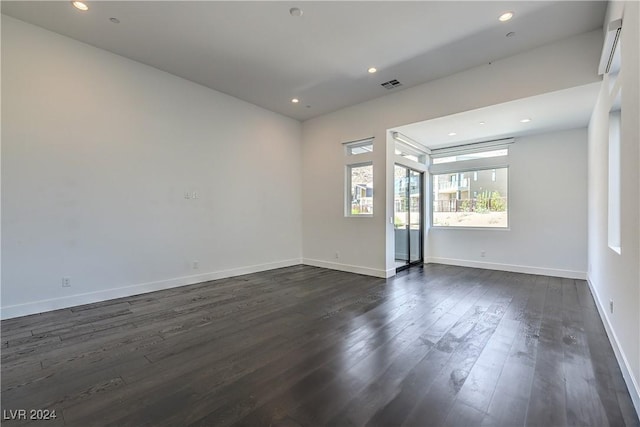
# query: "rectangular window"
{"type": "Point", "coordinates": [411, 153]}
{"type": "Point", "coordinates": [420, 158]}
{"type": "Point", "coordinates": [614, 207]}
{"type": "Point", "coordinates": [359, 178]}
{"type": "Point", "coordinates": [471, 199]}
{"type": "Point", "coordinates": [359, 147]}
{"type": "Point", "coordinates": [360, 190]}
{"type": "Point", "coordinates": [471, 156]}
{"type": "Point", "coordinates": [409, 149]}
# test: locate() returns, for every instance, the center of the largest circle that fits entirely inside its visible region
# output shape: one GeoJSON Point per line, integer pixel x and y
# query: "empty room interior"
{"type": "Point", "coordinates": [269, 213]}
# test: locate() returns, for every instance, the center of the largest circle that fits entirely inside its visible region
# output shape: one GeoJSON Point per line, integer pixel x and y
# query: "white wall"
{"type": "Point", "coordinates": [366, 245]}
{"type": "Point", "coordinates": [547, 218]}
{"type": "Point", "coordinates": [614, 276]}
{"type": "Point", "coordinates": [97, 154]}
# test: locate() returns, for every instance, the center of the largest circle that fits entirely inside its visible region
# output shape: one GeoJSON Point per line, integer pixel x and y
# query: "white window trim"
{"type": "Point", "coordinates": [472, 165]}
{"type": "Point", "coordinates": [409, 146]}
{"type": "Point", "coordinates": [355, 160]}
{"type": "Point", "coordinates": [357, 144]}
{"type": "Point", "coordinates": [614, 182]}
{"type": "Point", "coordinates": [471, 147]}
{"type": "Point", "coordinates": [455, 227]}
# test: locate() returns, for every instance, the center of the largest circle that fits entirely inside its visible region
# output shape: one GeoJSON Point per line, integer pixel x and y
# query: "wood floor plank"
{"type": "Point", "coordinates": [584, 406]}
{"type": "Point", "coordinates": [358, 353]}
{"type": "Point", "coordinates": [305, 346]}
{"type": "Point", "coordinates": [180, 379]}
{"type": "Point", "coordinates": [547, 402]}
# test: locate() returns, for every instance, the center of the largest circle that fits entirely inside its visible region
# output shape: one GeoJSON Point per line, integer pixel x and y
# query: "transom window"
{"type": "Point", "coordinates": [359, 147]}
{"type": "Point", "coordinates": [471, 156]}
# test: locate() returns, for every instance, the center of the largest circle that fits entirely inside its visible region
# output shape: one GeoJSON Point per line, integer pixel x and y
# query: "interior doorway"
{"type": "Point", "coordinates": [408, 216]}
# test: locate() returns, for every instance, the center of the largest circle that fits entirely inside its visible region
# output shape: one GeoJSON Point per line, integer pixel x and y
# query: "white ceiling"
{"type": "Point", "coordinates": [258, 52]}
{"type": "Point", "coordinates": [554, 111]}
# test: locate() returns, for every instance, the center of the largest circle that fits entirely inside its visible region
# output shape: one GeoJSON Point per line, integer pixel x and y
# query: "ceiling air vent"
{"type": "Point", "coordinates": [391, 84]}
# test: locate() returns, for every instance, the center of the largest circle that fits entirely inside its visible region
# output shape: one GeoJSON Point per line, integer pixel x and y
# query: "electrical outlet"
{"type": "Point", "coordinates": [611, 306]}
{"type": "Point", "coordinates": [195, 265]}
{"type": "Point", "coordinates": [66, 282]}
{"type": "Point", "coordinates": [482, 254]}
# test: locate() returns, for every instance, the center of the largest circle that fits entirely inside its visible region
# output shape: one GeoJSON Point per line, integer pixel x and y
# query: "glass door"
{"type": "Point", "coordinates": [408, 214]}
{"type": "Point", "coordinates": [415, 216]}
{"type": "Point", "coordinates": [401, 216]}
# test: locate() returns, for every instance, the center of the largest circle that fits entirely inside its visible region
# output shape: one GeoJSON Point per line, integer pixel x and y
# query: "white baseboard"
{"type": "Point", "coordinates": [41, 306]}
{"type": "Point", "coordinates": [568, 274]}
{"type": "Point", "coordinates": [349, 268]}
{"type": "Point", "coordinates": [625, 367]}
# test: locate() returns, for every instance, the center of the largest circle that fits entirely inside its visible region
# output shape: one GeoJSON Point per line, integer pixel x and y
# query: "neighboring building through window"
{"type": "Point", "coordinates": [470, 188]}
{"type": "Point", "coordinates": [471, 199]}
{"type": "Point", "coordinates": [361, 189]}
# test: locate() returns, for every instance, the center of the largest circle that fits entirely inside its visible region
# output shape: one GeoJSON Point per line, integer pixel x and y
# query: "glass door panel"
{"type": "Point", "coordinates": [408, 214]}
{"type": "Point", "coordinates": [401, 216]}
{"type": "Point", "coordinates": [415, 216]}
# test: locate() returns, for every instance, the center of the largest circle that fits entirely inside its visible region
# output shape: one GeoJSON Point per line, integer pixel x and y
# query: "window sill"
{"type": "Point", "coordinates": [439, 227]}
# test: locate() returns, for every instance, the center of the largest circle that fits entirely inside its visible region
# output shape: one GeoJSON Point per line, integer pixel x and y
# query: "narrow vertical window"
{"type": "Point", "coordinates": [360, 189]}
{"type": "Point", "coordinates": [614, 197]}
{"type": "Point", "coordinates": [359, 178]}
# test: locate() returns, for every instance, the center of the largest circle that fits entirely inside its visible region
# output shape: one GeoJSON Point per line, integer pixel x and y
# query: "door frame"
{"type": "Point", "coordinates": [421, 210]}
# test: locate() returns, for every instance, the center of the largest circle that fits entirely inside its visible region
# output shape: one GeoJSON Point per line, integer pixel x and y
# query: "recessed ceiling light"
{"type": "Point", "coordinates": [372, 70]}
{"type": "Point", "coordinates": [295, 100]}
{"type": "Point", "coordinates": [505, 16]}
{"type": "Point", "coordinates": [295, 11]}
{"type": "Point", "coordinates": [527, 120]}
{"type": "Point", "coordinates": [80, 5]}
{"type": "Point", "coordinates": [452, 134]}
{"type": "Point", "coordinates": [481, 123]}
{"type": "Point", "coordinates": [114, 20]}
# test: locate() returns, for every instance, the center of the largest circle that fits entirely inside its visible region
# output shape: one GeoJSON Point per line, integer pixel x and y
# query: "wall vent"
{"type": "Point", "coordinates": [391, 84]}
{"type": "Point", "coordinates": [608, 61]}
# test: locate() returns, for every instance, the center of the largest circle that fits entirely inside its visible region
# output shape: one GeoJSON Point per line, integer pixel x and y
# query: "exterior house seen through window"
{"type": "Point", "coordinates": [361, 189]}
{"type": "Point", "coordinates": [471, 185]}
{"type": "Point", "coordinates": [471, 199]}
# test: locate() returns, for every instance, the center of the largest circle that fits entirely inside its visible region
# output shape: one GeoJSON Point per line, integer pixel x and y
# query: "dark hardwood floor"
{"type": "Point", "coordinates": [434, 346]}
